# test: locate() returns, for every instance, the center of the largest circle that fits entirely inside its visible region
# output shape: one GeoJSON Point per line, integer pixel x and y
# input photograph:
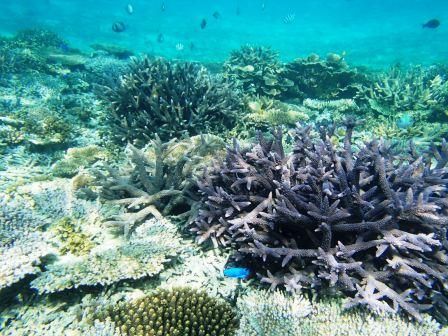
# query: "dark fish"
{"type": "Point", "coordinates": [163, 7]}
{"type": "Point", "coordinates": [238, 11]}
{"type": "Point", "coordinates": [160, 38]}
{"type": "Point", "coordinates": [216, 15]}
{"type": "Point", "coordinates": [118, 27]}
{"type": "Point", "coordinates": [64, 47]}
{"type": "Point", "coordinates": [203, 23]}
{"type": "Point", "coordinates": [192, 46]}
{"type": "Point", "coordinates": [434, 23]}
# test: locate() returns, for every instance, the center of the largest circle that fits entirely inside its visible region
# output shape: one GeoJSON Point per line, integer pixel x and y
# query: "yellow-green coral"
{"type": "Point", "coordinates": [176, 312]}
{"type": "Point", "coordinates": [71, 239]}
{"type": "Point", "coordinates": [77, 158]}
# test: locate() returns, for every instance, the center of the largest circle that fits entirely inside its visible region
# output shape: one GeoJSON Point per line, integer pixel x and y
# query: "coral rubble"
{"type": "Point", "coordinates": [367, 222]}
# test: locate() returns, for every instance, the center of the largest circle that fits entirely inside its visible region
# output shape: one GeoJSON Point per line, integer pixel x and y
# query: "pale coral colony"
{"type": "Point", "coordinates": [124, 178]}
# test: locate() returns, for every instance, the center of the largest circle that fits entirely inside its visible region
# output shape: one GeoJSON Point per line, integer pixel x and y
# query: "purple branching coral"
{"type": "Point", "coordinates": [364, 221]}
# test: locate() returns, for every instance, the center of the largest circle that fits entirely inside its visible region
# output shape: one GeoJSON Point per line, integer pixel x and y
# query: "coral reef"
{"type": "Point", "coordinates": [77, 158]}
{"type": "Point", "coordinates": [143, 254]}
{"type": "Point", "coordinates": [367, 222]}
{"type": "Point", "coordinates": [171, 99]}
{"type": "Point", "coordinates": [272, 314]}
{"type": "Point", "coordinates": [276, 314]}
{"type": "Point", "coordinates": [72, 239]}
{"type": "Point", "coordinates": [328, 79]}
{"type": "Point", "coordinates": [257, 70]}
{"type": "Point", "coordinates": [181, 311]}
{"type": "Point", "coordinates": [159, 180]}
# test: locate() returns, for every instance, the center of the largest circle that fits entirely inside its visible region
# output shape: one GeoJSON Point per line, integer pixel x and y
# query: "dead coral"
{"type": "Point", "coordinates": [366, 222]}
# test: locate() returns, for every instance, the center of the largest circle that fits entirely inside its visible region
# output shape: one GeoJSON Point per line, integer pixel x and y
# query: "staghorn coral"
{"type": "Point", "coordinates": [143, 254]}
{"type": "Point", "coordinates": [159, 179]}
{"type": "Point", "coordinates": [172, 99]}
{"type": "Point", "coordinates": [328, 79]}
{"type": "Point", "coordinates": [369, 223]}
{"type": "Point", "coordinates": [180, 311]}
{"type": "Point", "coordinates": [272, 314]}
{"type": "Point", "coordinates": [257, 70]}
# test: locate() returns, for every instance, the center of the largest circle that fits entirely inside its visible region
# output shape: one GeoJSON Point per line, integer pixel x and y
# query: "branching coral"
{"type": "Point", "coordinates": [257, 70]}
{"type": "Point", "coordinates": [159, 180]}
{"type": "Point", "coordinates": [369, 223]}
{"type": "Point", "coordinates": [181, 312]}
{"type": "Point", "coordinates": [328, 79]}
{"type": "Point", "coordinates": [170, 99]}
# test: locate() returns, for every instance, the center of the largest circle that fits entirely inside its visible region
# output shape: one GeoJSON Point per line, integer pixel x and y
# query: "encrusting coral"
{"type": "Point", "coordinates": [367, 222]}
{"type": "Point", "coordinates": [257, 70]}
{"type": "Point", "coordinates": [172, 99]}
{"type": "Point", "coordinates": [176, 312]}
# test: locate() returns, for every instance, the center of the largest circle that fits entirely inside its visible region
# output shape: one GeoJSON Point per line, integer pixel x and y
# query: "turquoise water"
{"type": "Point", "coordinates": [376, 33]}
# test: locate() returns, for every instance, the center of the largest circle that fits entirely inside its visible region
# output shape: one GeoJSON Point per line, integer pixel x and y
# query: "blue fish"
{"type": "Point", "coordinates": [405, 121]}
{"type": "Point", "coordinates": [237, 273]}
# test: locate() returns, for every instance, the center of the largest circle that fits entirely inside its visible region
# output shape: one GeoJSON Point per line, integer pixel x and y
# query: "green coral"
{"type": "Point", "coordinates": [323, 79]}
{"type": "Point", "coordinates": [71, 239]}
{"type": "Point", "coordinates": [176, 312]}
{"type": "Point", "coordinates": [171, 99]}
{"type": "Point", "coordinates": [257, 70]}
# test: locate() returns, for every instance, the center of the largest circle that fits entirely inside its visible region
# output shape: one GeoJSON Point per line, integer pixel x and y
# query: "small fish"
{"type": "Point", "coordinates": [163, 7]}
{"type": "Point", "coordinates": [64, 47]}
{"type": "Point", "coordinates": [192, 46]}
{"type": "Point", "coordinates": [203, 23]}
{"type": "Point", "coordinates": [238, 11]}
{"type": "Point", "coordinates": [118, 27]}
{"type": "Point", "coordinates": [263, 6]}
{"type": "Point", "coordinates": [216, 15]}
{"type": "Point", "coordinates": [129, 9]}
{"type": "Point", "coordinates": [160, 38]}
{"type": "Point", "coordinates": [432, 24]}
{"type": "Point", "coordinates": [405, 121]}
{"type": "Point", "coordinates": [180, 47]}
{"type": "Point", "coordinates": [237, 273]}
{"type": "Point", "coordinates": [290, 18]}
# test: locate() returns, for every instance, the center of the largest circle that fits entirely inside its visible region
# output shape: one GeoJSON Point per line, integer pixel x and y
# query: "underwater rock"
{"type": "Point", "coordinates": [363, 222]}
{"type": "Point", "coordinates": [170, 99]}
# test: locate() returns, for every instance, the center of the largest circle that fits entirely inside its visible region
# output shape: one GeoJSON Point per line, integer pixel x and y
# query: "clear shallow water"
{"type": "Point", "coordinates": [374, 33]}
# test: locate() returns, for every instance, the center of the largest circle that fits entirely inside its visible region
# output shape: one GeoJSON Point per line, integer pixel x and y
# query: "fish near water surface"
{"type": "Point", "coordinates": [118, 27]}
{"type": "Point", "coordinates": [129, 9]}
{"type": "Point", "coordinates": [203, 23]}
{"type": "Point", "coordinates": [432, 24]}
